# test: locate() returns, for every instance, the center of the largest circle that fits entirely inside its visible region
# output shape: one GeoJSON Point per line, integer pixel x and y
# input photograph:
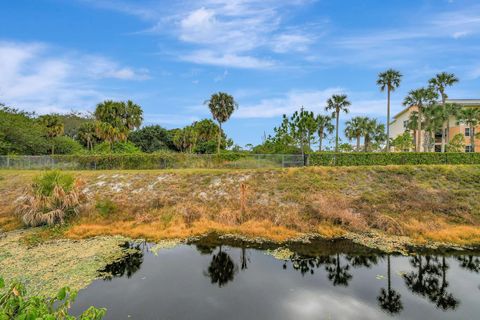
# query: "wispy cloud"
{"type": "Point", "coordinates": [38, 78]}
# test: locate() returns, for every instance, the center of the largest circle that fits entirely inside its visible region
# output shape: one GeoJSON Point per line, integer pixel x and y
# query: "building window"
{"type": "Point", "coordinates": [405, 124]}
{"type": "Point", "coordinates": [468, 148]}
{"type": "Point", "coordinates": [467, 132]}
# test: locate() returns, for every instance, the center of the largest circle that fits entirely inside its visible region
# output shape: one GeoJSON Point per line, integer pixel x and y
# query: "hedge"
{"type": "Point", "coordinates": [393, 158]}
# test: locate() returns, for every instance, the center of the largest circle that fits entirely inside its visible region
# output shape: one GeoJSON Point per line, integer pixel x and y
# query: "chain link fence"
{"type": "Point", "coordinates": [110, 162]}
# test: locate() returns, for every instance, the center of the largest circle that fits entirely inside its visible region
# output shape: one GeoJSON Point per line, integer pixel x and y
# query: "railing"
{"type": "Point", "coordinates": [150, 161]}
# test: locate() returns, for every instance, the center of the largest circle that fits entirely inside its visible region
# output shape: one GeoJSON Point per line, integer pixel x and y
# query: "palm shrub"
{"type": "Point", "coordinates": [53, 198]}
{"type": "Point", "coordinates": [14, 304]}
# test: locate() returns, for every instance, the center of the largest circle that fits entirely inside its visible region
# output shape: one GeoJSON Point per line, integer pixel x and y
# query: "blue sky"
{"type": "Point", "coordinates": [272, 55]}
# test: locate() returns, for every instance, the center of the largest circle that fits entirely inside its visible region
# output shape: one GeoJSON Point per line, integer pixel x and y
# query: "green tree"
{"type": "Point", "coordinates": [186, 139]}
{"type": "Point", "coordinates": [222, 106]}
{"type": "Point", "coordinates": [150, 138]}
{"type": "Point", "coordinates": [403, 142]}
{"type": "Point", "coordinates": [456, 144]}
{"type": "Point", "coordinates": [54, 127]}
{"type": "Point", "coordinates": [372, 132]}
{"type": "Point", "coordinates": [471, 118]}
{"type": "Point", "coordinates": [354, 129]}
{"type": "Point", "coordinates": [412, 125]}
{"type": "Point", "coordinates": [433, 118]}
{"type": "Point", "coordinates": [324, 127]}
{"type": "Point", "coordinates": [439, 83]}
{"type": "Point", "coordinates": [337, 104]}
{"type": "Point", "coordinates": [389, 81]}
{"type": "Point", "coordinates": [303, 128]}
{"type": "Point", "coordinates": [420, 98]}
{"type": "Point", "coordinates": [87, 135]}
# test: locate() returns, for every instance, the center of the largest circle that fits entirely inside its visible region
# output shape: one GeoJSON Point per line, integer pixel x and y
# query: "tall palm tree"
{"type": "Point", "coordinates": [87, 134]}
{"type": "Point", "coordinates": [324, 126]}
{"type": "Point", "coordinates": [389, 81]}
{"type": "Point", "coordinates": [116, 118]}
{"type": "Point", "coordinates": [413, 124]}
{"type": "Point", "coordinates": [439, 83]}
{"type": "Point", "coordinates": [354, 129]}
{"type": "Point", "coordinates": [222, 106]}
{"type": "Point", "coordinates": [337, 103]}
{"type": "Point", "coordinates": [54, 127]}
{"type": "Point", "coordinates": [420, 98]}
{"type": "Point", "coordinates": [471, 118]}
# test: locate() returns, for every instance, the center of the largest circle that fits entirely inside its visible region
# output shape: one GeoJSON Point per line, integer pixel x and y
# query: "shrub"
{"type": "Point", "coordinates": [54, 197]}
{"type": "Point", "coordinates": [117, 147]}
{"type": "Point", "coordinates": [66, 145]}
{"type": "Point", "coordinates": [15, 305]}
{"type": "Point", "coordinates": [105, 207]}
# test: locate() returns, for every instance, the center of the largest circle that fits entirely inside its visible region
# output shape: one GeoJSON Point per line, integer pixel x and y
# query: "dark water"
{"type": "Point", "coordinates": [324, 280]}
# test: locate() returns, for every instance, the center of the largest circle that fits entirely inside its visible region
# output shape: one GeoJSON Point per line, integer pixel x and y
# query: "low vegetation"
{"type": "Point", "coordinates": [14, 304]}
{"type": "Point", "coordinates": [423, 203]}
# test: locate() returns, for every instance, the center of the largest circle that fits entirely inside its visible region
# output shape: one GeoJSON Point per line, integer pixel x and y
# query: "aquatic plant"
{"type": "Point", "coordinates": [52, 198]}
{"type": "Point", "coordinates": [14, 304]}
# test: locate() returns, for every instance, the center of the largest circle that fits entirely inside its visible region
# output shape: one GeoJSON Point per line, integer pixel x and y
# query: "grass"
{"type": "Point", "coordinates": [425, 203]}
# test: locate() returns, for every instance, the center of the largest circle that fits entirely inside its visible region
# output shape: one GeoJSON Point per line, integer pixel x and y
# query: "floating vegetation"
{"type": "Point", "coordinates": [163, 245]}
{"type": "Point", "coordinates": [280, 253]}
{"type": "Point", "coordinates": [54, 264]}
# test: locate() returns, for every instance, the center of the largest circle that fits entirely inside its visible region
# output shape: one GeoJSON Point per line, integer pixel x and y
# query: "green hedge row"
{"type": "Point", "coordinates": [394, 158]}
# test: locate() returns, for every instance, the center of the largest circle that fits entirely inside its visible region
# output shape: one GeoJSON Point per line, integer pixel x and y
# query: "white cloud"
{"type": "Point", "coordinates": [313, 100]}
{"type": "Point", "coordinates": [226, 60]}
{"type": "Point", "coordinates": [291, 42]}
{"type": "Point", "coordinates": [38, 78]}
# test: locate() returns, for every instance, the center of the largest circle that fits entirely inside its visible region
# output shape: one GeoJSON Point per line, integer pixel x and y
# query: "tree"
{"type": "Point", "coordinates": [337, 104]}
{"type": "Point", "coordinates": [456, 144]}
{"type": "Point", "coordinates": [222, 106]}
{"type": "Point", "coordinates": [150, 138]}
{"type": "Point", "coordinates": [433, 117]}
{"type": "Point", "coordinates": [54, 127]}
{"type": "Point", "coordinates": [324, 127]}
{"type": "Point", "coordinates": [116, 119]}
{"type": "Point", "coordinates": [403, 142]}
{"type": "Point", "coordinates": [413, 125]}
{"type": "Point", "coordinates": [439, 83]}
{"type": "Point", "coordinates": [420, 98]}
{"type": "Point", "coordinates": [354, 129]}
{"type": "Point", "coordinates": [303, 128]}
{"type": "Point", "coordinates": [471, 118]}
{"type": "Point", "coordinates": [389, 80]}
{"type": "Point", "coordinates": [87, 135]}
{"type": "Point", "coordinates": [372, 132]}
{"type": "Point", "coordinates": [186, 139]}
{"type": "Point", "coordinates": [389, 299]}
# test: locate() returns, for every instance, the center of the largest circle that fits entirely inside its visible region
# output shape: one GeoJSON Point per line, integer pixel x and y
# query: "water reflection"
{"type": "Point", "coordinates": [128, 264]}
{"type": "Point", "coordinates": [344, 275]}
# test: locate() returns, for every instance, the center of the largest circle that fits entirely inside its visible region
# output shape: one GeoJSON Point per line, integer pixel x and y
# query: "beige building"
{"type": "Point", "coordinates": [400, 122]}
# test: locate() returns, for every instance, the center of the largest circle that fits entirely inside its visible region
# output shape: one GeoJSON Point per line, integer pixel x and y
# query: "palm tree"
{"type": "Point", "coordinates": [354, 129]}
{"type": "Point", "coordinates": [337, 103]}
{"type": "Point", "coordinates": [324, 126]}
{"type": "Point", "coordinates": [372, 131]}
{"type": "Point", "coordinates": [420, 98]}
{"type": "Point", "coordinates": [413, 124]}
{"type": "Point", "coordinates": [222, 106]}
{"type": "Point", "coordinates": [439, 84]}
{"type": "Point", "coordinates": [471, 118]}
{"type": "Point", "coordinates": [389, 299]}
{"type": "Point", "coordinates": [433, 118]}
{"type": "Point", "coordinates": [389, 80]}
{"type": "Point", "coordinates": [54, 127]}
{"type": "Point", "coordinates": [87, 134]}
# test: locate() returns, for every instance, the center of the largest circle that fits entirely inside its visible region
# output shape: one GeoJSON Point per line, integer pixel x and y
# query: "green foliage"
{"type": "Point", "coordinates": [72, 123]}
{"type": "Point", "coordinates": [403, 142]}
{"type": "Point", "coordinates": [151, 138]}
{"type": "Point", "coordinates": [87, 135]}
{"type": "Point", "coordinates": [222, 106]}
{"type": "Point", "coordinates": [116, 147]}
{"type": "Point", "coordinates": [396, 158]}
{"type": "Point", "coordinates": [14, 304]}
{"type": "Point", "coordinates": [66, 145]}
{"type": "Point", "coordinates": [20, 133]}
{"type": "Point", "coordinates": [457, 143]}
{"type": "Point", "coordinates": [105, 207]}
{"type": "Point", "coordinates": [46, 183]}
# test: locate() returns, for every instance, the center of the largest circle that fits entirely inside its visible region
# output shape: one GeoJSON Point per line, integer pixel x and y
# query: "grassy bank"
{"type": "Point", "coordinates": [424, 203]}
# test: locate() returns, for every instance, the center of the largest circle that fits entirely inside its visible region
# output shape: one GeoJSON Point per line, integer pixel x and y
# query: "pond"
{"type": "Point", "coordinates": [218, 279]}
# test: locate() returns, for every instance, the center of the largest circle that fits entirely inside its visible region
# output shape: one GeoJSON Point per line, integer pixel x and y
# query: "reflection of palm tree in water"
{"type": "Point", "coordinates": [389, 299]}
{"type": "Point", "coordinates": [127, 265]}
{"type": "Point", "coordinates": [244, 259]}
{"type": "Point", "coordinates": [337, 273]}
{"type": "Point", "coordinates": [222, 269]}
{"type": "Point", "coordinates": [426, 281]}
{"type": "Point", "coordinates": [470, 263]}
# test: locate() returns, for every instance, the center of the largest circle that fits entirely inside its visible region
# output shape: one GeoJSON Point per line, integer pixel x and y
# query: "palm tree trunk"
{"type": "Point", "coordinates": [472, 137]}
{"type": "Point", "coordinates": [388, 121]}
{"type": "Point", "coordinates": [416, 138]}
{"type": "Point", "coordinates": [419, 129]}
{"type": "Point", "coordinates": [320, 140]}
{"type": "Point", "coordinates": [358, 143]}
{"type": "Point", "coordinates": [388, 274]}
{"type": "Point", "coordinates": [366, 143]}
{"type": "Point", "coordinates": [219, 137]}
{"type": "Point", "coordinates": [336, 130]}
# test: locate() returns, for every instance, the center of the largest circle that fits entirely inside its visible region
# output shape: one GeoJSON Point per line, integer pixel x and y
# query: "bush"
{"type": "Point", "coordinates": [66, 145]}
{"type": "Point", "coordinates": [54, 198]}
{"type": "Point", "coordinates": [392, 158]}
{"type": "Point", "coordinates": [15, 305]}
{"type": "Point", "coordinates": [117, 147]}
